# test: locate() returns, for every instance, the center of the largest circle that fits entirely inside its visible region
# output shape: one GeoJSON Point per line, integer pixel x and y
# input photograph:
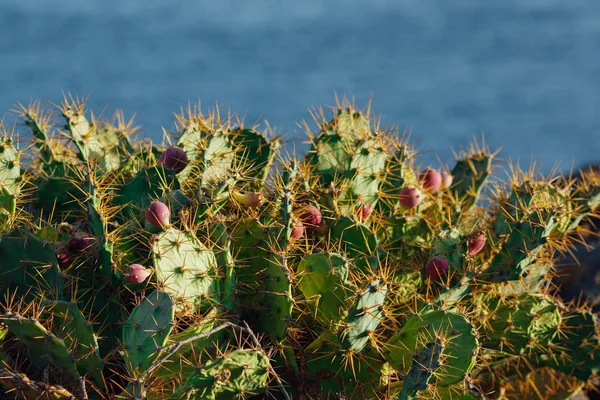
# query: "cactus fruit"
{"type": "Point", "coordinates": [158, 214]}
{"type": "Point", "coordinates": [174, 158]}
{"type": "Point", "coordinates": [311, 217]}
{"type": "Point", "coordinates": [447, 179]}
{"type": "Point", "coordinates": [431, 179]}
{"type": "Point", "coordinates": [63, 258]}
{"type": "Point", "coordinates": [248, 199]}
{"type": "Point", "coordinates": [436, 269]}
{"type": "Point", "coordinates": [475, 243]}
{"type": "Point", "coordinates": [410, 198]}
{"type": "Point", "coordinates": [80, 241]}
{"type": "Point", "coordinates": [297, 230]}
{"type": "Point", "coordinates": [363, 211]}
{"type": "Point", "coordinates": [136, 274]}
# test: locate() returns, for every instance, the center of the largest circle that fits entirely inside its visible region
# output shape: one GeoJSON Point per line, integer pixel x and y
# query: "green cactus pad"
{"type": "Point", "coordinates": [79, 336]}
{"type": "Point", "coordinates": [460, 346]}
{"type": "Point", "coordinates": [184, 267]}
{"type": "Point", "coordinates": [323, 280]}
{"type": "Point", "coordinates": [44, 346]}
{"type": "Point", "coordinates": [240, 374]}
{"type": "Point", "coordinates": [356, 240]}
{"type": "Point", "coordinates": [576, 350]}
{"type": "Point", "coordinates": [425, 362]}
{"type": "Point", "coordinates": [470, 175]}
{"type": "Point", "coordinates": [514, 324]}
{"type": "Point", "coordinates": [148, 185]}
{"type": "Point", "coordinates": [146, 331]}
{"type": "Point", "coordinates": [451, 245]}
{"type": "Point", "coordinates": [365, 316]}
{"type": "Point", "coordinates": [29, 267]}
{"type": "Point", "coordinates": [254, 154]}
{"type": "Point", "coordinates": [183, 363]}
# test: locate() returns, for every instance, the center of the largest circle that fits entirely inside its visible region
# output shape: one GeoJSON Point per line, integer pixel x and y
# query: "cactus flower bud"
{"type": "Point", "coordinates": [174, 158]}
{"type": "Point", "coordinates": [136, 273]}
{"type": "Point", "coordinates": [436, 269]}
{"type": "Point", "coordinates": [248, 199]}
{"type": "Point", "coordinates": [158, 214]}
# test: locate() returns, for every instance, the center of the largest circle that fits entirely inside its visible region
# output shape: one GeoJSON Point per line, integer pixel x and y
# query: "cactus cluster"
{"type": "Point", "coordinates": [214, 266]}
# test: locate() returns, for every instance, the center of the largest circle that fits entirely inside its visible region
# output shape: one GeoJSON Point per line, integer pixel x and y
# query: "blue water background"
{"type": "Point", "coordinates": [526, 74]}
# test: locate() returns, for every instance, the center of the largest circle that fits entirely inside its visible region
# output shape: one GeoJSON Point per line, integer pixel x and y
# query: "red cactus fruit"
{"type": "Point", "coordinates": [432, 180]}
{"type": "Point", "coordinates": [475, 242]}
{"type": "Point", "coordinates": [248, 199]}
{"type": "Point", "coordinates": [297, 230]}
{"type": "Point", "coordinates": [436, 269]}
{"type": "Point", "coordinates": [410, 197]}
{"type": "Point", "coordinates": [174, 158]}
{"type": "Point", "coordinates": [136, 273]}
{"type": "Point", "coordinates": [80, 241]}
{"type": "Point", "coordinates": [312, 217]}
{"type": "Point", "coordinates": [158, 214]}
{"type": "Point", "coordinates": [364, 210]}
{"type": "Point", "coordinates": [447, 179]}
{"type": "Point", "coordinates": [63, 259]}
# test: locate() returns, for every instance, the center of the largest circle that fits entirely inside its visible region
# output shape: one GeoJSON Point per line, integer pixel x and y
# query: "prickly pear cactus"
{"type": "Point", "coordinates": [343, 274]}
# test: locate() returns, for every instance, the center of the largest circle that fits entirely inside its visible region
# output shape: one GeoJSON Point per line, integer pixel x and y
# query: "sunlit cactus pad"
{"type": "Point", "coordinates": [217, 265]}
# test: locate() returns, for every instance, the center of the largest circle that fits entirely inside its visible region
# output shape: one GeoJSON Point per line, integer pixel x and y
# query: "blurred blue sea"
{"type": "Point", "coordinates": [524, 73]}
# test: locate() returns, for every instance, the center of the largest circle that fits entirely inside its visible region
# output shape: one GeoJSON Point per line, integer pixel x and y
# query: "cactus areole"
{"type": "Point", "coordinates": [174, 158]}
{"type": "Point", "coordinates": [436, 269]}
{"type": "Point", "coordinates": [158, 215]}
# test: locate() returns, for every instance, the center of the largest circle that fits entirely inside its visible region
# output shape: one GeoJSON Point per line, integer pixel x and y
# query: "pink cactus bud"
{"type": "Point", "coordinates": [174, 158]}
{"type": "Point", "coordinates": [136, 273]}
{"type": "Point", "coordinates": [63, 259]}
{"type": "Point", "coordinates": [436, 269]}
{"type": "Point", "coordinates": [80, 241]}
{"type": "Point", "coordinates": [158, 214]}
{"type": "Point", "coordinates": [447, 180]}
{"type": "Point", "coordinates": [248, 199]}
{"type": "Point", "coordinates": [312, 217]}
{"type": "Point", "coordinates": [431, 180]}
{"type": "Point", "coordinates": [364, 210]}
{"type": "Point", "coordinates": [475, 242]}
{"type": "Point", "coordinates": [410, 197]}
{"type": "Point", "coordinates": [297, 230]}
